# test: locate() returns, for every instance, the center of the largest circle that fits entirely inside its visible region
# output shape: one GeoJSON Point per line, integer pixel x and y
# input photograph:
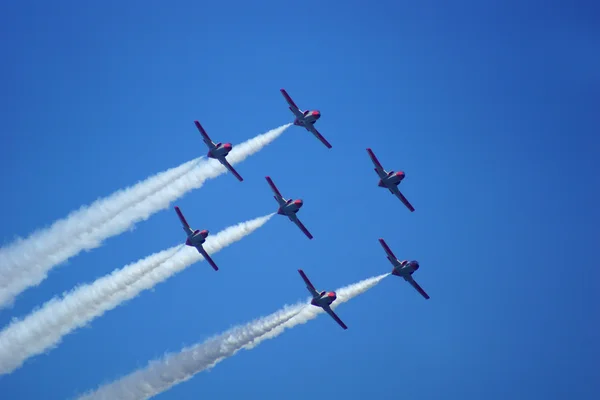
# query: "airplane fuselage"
{"type": "Point", "coordinates": [220, 150]}
{"type": "Point", "coordinates": [197, 238]}
{"type": "Point", "coordinates": [391, 179]}
{"type": "Point", "coordinates": [290, 207]}
{"type": "Point", "coordinates": [324, 299]}
{"type": "Point", "coordinates": [404, 268]}
{"type": "Point", "coordinates": [308, 118]}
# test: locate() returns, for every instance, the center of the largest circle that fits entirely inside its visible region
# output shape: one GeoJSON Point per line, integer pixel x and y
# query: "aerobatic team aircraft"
{"type": "Point", "coordinates": [404, 269]}
{"type": "Point", "coordinates": [218, 151]}
{"type": "Point", "coordinates": [306, 118]}
{"type": "Point", "coordinates": [323, 299]}
{"type": "Point", "coordinates": [289, 208]}
{"type": "Point", "coordinates": [195, 238]}
{"type": "Point", "coordinates": [390, 180]}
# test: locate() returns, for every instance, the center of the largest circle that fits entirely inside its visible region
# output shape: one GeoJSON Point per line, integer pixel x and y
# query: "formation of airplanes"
{"type": "Point", "coordinates": [290, 207]}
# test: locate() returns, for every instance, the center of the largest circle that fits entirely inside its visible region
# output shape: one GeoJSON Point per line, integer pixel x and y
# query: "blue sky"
{"type": "Point", "coordinates": [490, 109]}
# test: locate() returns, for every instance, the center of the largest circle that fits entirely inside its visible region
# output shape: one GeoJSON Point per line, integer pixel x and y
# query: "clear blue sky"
{"type": "Point", "coordinates": [491, 109]}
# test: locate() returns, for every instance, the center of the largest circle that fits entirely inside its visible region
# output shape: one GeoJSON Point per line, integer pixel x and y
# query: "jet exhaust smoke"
{"type": "Point", "coordinates": [44, 328]}
{"type": "Point", "coordinates": [26, 262]}
{"type": "Point", "coordinates": [161, 375]}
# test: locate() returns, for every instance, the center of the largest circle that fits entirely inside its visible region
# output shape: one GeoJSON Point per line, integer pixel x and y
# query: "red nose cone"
{"type": "Point", "coordinates": [331, 294]}
{"type": "Point", "coordinates": [204, 232]}
{"type": "Point", "coordinates": [401, 174]}
{"type": "Point", "coordinates": [298, 202]}
{"type": "Point", "coordinates": [227, 145]}
{"type": "Point", "coordinates": [316, 113]}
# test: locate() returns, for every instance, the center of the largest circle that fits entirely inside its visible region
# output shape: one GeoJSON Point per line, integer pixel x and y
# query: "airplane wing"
{"type": "Point", "coordinates": [329, 311]}
{"type": "Point", "coordinates": [399, 195]}
{"type": "Point", "coordinates": [416, 286]}
{"type": "Point", "coordinates": [225, 163]}
{"type": "Point", "coordinates": [205, 136]}
{"type": "Point", "coordinates": [293, 105]}
{"type": "Point", "coordinates": [278, 195]}
{"type": "Point", "coordinates": [390, 254]}
{"type": "Point", "coordinates": [380, 171]}
{"type": "Point", "coordinates": [309, 285]}
{"type": "Point", "coordinates": [186, 226]}
{"type": "Point", "coordinates": [319, 136]}
{"type": "Point", "coordinates": [207, 257]}
{"type": "Point", "coordinates": [295, 220]}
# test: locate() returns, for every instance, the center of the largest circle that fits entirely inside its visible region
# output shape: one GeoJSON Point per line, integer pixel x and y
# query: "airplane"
{"type": "Point", "coordinates": [288, 207]}
{"type": "Point", "coordinates": [306, 118]}
{"type": "Point", "coordinates": [404, 269]}
{"type": "Point", "coordinates": [195, 238]}
{"type": "Point", "coordinates": [323, 299]}
{"type": "Point", "coordinates": [390, 180]}
{"type": "Point", "coordinates": [218, 151]}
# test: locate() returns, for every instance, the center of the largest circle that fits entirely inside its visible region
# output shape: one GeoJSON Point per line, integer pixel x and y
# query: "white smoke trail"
{"type": "Point", "coordinates": [161, 375]}
{"type": "Point", "coordinates": [46, 241]}
{"type": "Point", "coordinates": [44, 328]}
{"type": "Point", "coordinates": [27, 262]}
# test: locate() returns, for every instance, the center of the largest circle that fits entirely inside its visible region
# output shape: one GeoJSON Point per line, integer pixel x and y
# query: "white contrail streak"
{"type": "Point", "coordinates": [44, 328]}
{"type": "Point", "coordinates": [161, 375]}
{"type": "Point", "coordinates": [26, 262]}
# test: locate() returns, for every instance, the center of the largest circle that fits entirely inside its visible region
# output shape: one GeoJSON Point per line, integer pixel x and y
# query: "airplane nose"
{"type": "Point", "coordinates": [332, 295]}
{"type": "Point", "coordinates": [299, 202]}
{"type": "Point", "coordinates": [227, 145]}
{"type": "Point", "coordinates": [316, 113]}
{"type": "Point", "coordinates": [415, 265]}
{"type": "Point", "coordinates": [401, 174]}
